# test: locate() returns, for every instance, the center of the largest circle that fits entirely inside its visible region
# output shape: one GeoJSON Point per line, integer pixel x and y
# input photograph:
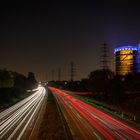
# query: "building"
{"type": "Point", "coordinates": [127, 59]}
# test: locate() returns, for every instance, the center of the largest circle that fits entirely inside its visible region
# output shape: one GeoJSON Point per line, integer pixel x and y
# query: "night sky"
{"type": "Point", "coordinates": [42, 38]}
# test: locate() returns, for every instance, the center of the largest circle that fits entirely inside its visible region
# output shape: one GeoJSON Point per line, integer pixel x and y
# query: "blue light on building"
{"type": "Point", "coordinates": [127, 59]}
{"type": "Point", "coordinates": [126, 48]}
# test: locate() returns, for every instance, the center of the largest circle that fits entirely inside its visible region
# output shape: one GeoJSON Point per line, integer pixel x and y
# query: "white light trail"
{"type": "Point", "coordinates": [15, 120]}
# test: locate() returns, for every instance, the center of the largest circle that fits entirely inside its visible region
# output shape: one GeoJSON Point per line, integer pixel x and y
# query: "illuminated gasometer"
{"type": "Point", "coordinates": [127, 60]}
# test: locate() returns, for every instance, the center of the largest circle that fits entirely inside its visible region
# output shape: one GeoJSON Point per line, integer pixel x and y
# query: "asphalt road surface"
{"type": "Point", "coordinates": [17, 122]}
{"type": "Point", "coordinates": [88, 122]}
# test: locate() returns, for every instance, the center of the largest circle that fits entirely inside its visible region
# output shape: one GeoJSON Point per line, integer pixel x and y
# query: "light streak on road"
{"type": "Point", "coordinates": [18, 121]}
{"type": "Point", "coordinates": [102, 126]}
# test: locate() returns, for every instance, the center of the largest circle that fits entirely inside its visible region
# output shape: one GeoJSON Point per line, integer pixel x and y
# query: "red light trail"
{"type": "Point", "coordinates": [98, 123]}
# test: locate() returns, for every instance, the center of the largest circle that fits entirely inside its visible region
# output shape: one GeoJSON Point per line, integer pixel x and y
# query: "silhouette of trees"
{"type": "Point", "coordinates": [13, 84]}
{"type": "Point", "coordinates": [32, 83]}
{"type": "Point", "coordinates": [6, 79]}
{"type": "Point", "coordinates": [132, 82]}
{"type": "Point", "coordinates": [20, 81]}
{"type": "Point", "coordinates": [99, 80]}
{"type": "Point", "coordinates": [115, 89]}
{"type": "Point", "coordinates": [106, 84]}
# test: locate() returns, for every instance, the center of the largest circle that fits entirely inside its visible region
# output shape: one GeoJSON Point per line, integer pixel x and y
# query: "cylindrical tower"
{"type": "Point", "coordinates": [126, 60]}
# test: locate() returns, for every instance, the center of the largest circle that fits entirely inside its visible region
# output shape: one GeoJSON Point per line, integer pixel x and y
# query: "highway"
{"type": "Point", "coordinates": [88, 122]}
{"type": "Point", "coordinates": [17, 122]}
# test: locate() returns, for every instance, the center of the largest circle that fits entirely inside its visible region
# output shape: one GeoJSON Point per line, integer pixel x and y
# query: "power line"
{"type": "Point", "coordinates": [72, 71]}
{"type": "Point", "coordinates": [104, 59]}
{"type": "Point", "coordinates": [52, 72]}
{"type": "Point", "coordinates": [59, 74]}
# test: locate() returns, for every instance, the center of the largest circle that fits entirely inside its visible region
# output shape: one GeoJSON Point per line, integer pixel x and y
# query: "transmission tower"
{"type": "Point", "coordinates": [72, 71]}
{"type": "Point", "coordinates": [104, 57]}
{"type": "Point", "coordinates": [52, 72]}
{"type": "Point", "coordinates": [59, 74]}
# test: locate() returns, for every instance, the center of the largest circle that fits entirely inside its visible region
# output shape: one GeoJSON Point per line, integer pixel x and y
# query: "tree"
{"type": "Point", "coordinates": [31, 80]}
{"type": "Point", "coordinates": [99, 79]}
{"type": "Point", "coordinates": [20, 81]}
{"type": "Point", "coordinates": [115, 91]}
{"type": "Point", "coordinates": [6, 79]}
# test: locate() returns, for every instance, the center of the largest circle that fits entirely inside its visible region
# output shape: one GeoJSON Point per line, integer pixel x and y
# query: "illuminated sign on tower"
{"type": "Point", "coordinates": [127, 60]}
